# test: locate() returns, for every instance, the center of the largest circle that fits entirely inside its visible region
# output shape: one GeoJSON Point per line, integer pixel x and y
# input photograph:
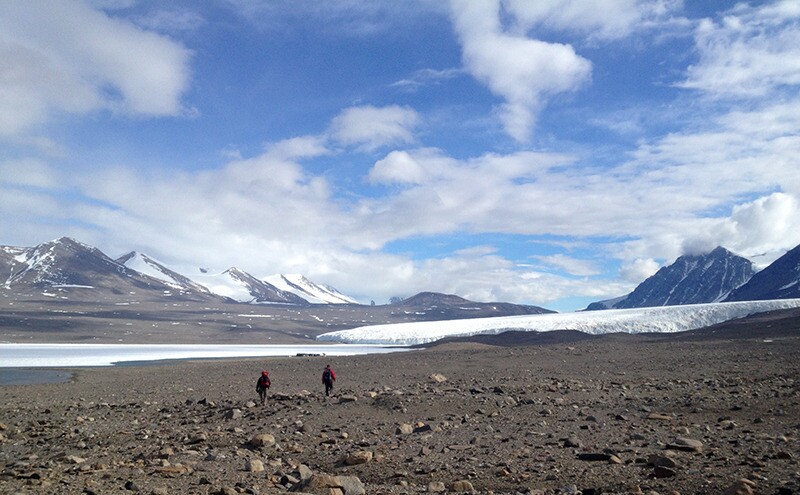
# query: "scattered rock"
{"type": "Point", "coordinates": [404, 429]}
{"type": "Point", "coordinates": [438, 378]}
{"type": "Point", "coordinates": [462, 486]}
{"type": "Point", "coordinates": [262, 440]}
{"type": "Point", "coordinates": [254, 466]}
{"type": "Point", "coordinates": [325, 484]}
{"type": "Point", "coordinates": [436, 487]}
{"type": "Point", "coordinates": [573, 441]}
{"type": "Point", "coordinates": [741, 487]}
{"type": "Point", "coordinates": [359, 457]}
{"type": "Point", "coordinates": [686, 444]}
{"type": "Point", "coordinates": [233, 414]}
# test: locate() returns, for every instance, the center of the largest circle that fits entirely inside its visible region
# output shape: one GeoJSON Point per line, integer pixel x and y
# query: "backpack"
{"type": "Point", "coordinates": [326, 375]}
{"type": "Point", "coordinates": [264, 382]}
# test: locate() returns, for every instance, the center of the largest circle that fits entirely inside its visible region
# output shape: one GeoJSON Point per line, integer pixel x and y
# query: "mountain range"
{"type": "Point", "coordinates": [65, 268]}
{"type": "Point", "coordinates": [68, 265]}
{"type": "Point", "coordinates": [717, 276]}
{"type": "Point", "coordinates": [68, 269]}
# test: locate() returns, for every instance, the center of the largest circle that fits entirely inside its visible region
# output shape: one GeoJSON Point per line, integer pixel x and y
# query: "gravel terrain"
{"type": "Point", "coordinates": [714, 412]}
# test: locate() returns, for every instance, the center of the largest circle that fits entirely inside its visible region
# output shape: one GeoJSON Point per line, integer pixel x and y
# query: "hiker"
{"type": "Point", "coordinates": [262, 385]}
{"type": "Point", "coordinates": [328, 377]}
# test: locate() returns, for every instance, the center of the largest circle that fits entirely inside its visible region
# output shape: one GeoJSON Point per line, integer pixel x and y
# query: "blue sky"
{"type": "Point", "coordinates": [551, 153]}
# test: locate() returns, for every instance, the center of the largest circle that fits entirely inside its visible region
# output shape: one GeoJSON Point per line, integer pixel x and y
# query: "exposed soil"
{"type": "Point", "coordinates": [689, 413]}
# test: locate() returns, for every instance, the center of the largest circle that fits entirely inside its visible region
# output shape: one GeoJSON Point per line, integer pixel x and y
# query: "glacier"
{"type": "Point", "coordinates": [662, 319]}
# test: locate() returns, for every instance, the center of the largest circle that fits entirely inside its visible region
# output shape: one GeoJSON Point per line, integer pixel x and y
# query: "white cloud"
{"type": "Point", "coordinates": [524, 72]}
{"type": "Point", "coordinates": [750, 53]}
{"type": "Point", "coordinates": [426, 77]}
{"type": "Point", "coordinates": [398, 166]}
{"type": "Point", "coordinates": [67, 57]}
{"type": "Point", "coordinates": [603, 19]}
{"type": "Point", "coordinates": [766, 226]}
{"type": "Point", "coordinates": [638, 269]}
{"type": "Point", "coordinates": [370, 127]}
{"type": "Point", "coordinates": [27, 172]}
{"type": "Point", "coordinates": [573, 266]}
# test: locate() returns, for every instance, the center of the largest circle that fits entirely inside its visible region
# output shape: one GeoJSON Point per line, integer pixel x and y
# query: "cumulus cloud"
{"type": "Point", "coordinates": [766, 226]}
{"type": "Point", "coordinates": [751, 52]}
{"type": "Point", "coordinates": [398, 166]}
{"type": "Point", "coordinates": [67, 57]}
{"type": "Point", "coordinates": [370, 128]}
{"type": "Point", "coordinates": [638, 269]}
{"type": "Point", "coordinates": [524, 72]}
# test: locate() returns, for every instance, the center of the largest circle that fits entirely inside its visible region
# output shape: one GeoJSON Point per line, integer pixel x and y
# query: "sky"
{"type": "Point", "coordinates": [551, 153]}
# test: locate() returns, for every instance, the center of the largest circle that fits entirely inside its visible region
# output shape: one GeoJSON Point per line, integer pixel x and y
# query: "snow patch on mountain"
{"type": "Point", "coordinates": [226, 284]}
{"type": "Point", "coordinates": [147, 266]}
{"type": "Point", "coordinates": [664, 319]}
{"type": "Point", "coordinates": [308, 290]}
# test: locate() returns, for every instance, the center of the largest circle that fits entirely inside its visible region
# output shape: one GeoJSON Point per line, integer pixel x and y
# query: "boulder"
{"type": "Point", "coordinates": [438, 378]}
{"type": "Point", "coordinates": [359, 457]}
{"type": "Point", "coordinates": [262, 440]}
{"type": "Point", "coordinates": [254, 466]}
{"type": "Point", "coordinates": [462, 486]}
{"type": "Point", "coordinates": [686, 444]}
{"type": "Point", "coordinates": [326, 484]}
{"type": "Point", "coordinates": [404, 429]}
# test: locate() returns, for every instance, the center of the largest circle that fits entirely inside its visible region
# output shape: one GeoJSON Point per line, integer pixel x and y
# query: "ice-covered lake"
{"type": "Point", "coordinates": [86, 355]}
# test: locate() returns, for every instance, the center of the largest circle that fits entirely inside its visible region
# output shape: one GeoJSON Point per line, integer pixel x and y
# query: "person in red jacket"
{"type": "Point", "coordinates": [262, 385]}
{"type": "Point", "coordinates": [328, 377]}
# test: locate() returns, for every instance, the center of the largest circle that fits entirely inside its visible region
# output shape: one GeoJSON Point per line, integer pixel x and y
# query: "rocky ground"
{"type": "Point", "coordinates": [618, 414]}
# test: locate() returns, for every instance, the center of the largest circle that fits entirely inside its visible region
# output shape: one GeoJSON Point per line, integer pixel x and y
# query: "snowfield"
{"type": "Point", "coordinates": [661, 319]}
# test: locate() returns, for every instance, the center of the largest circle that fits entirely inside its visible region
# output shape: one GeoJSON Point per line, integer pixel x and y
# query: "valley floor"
{"type": "Point", "coordinates": [615, 414]}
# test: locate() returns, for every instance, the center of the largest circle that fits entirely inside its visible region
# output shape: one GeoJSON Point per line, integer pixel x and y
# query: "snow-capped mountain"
{"type": "Point", "coordinates": [242, 287]}
{"type": "Point", "coordinates": [308, 290]}
{"type": "Point", "coordinates": [238, 285]}
{"type": "Point", "coordinates": [664, 319]}
{"type": "Point", "coordinates": [143, 263]}
{"type": "Point", "coordinates": [780, 280]}
{"type": "Point", "coordinates": [68, 264]}
{"type": "Point", "coordinates": [691, 279]}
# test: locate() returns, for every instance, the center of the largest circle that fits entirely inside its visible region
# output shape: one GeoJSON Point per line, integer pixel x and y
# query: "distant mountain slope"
{"type": "Point", "coordinates": [437, 306]}
{"type": "Point", "coordinates": [780, 280]}
{"type": "Point", "coordinates": [240, 286]}
{"type": "Point", "coordinates": [308, 290]}
{"type": "Point", "coordinates": [143, 263]}
{"type": "Point", "coordinates": [691, 279]}
{"type": "Point", "coordinates": [66, 264]}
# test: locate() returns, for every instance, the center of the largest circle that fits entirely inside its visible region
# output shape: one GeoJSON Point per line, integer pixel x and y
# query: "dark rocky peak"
{"type": "Point", "coordinates": [691, 279]}
{"type": "Point", "coordinates": [780, 280]}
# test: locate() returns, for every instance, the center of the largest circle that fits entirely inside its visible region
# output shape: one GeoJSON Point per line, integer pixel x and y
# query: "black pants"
{"type": "Point", "coordinates": [328, 387]}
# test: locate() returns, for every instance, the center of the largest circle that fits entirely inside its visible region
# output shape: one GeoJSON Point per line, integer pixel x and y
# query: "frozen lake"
{"type": "Point", "coordinates": [86, 355]}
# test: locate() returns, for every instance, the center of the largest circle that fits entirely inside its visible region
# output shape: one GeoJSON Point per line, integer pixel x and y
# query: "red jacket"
{"type": "Point", "coordinates": [333, 375]}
